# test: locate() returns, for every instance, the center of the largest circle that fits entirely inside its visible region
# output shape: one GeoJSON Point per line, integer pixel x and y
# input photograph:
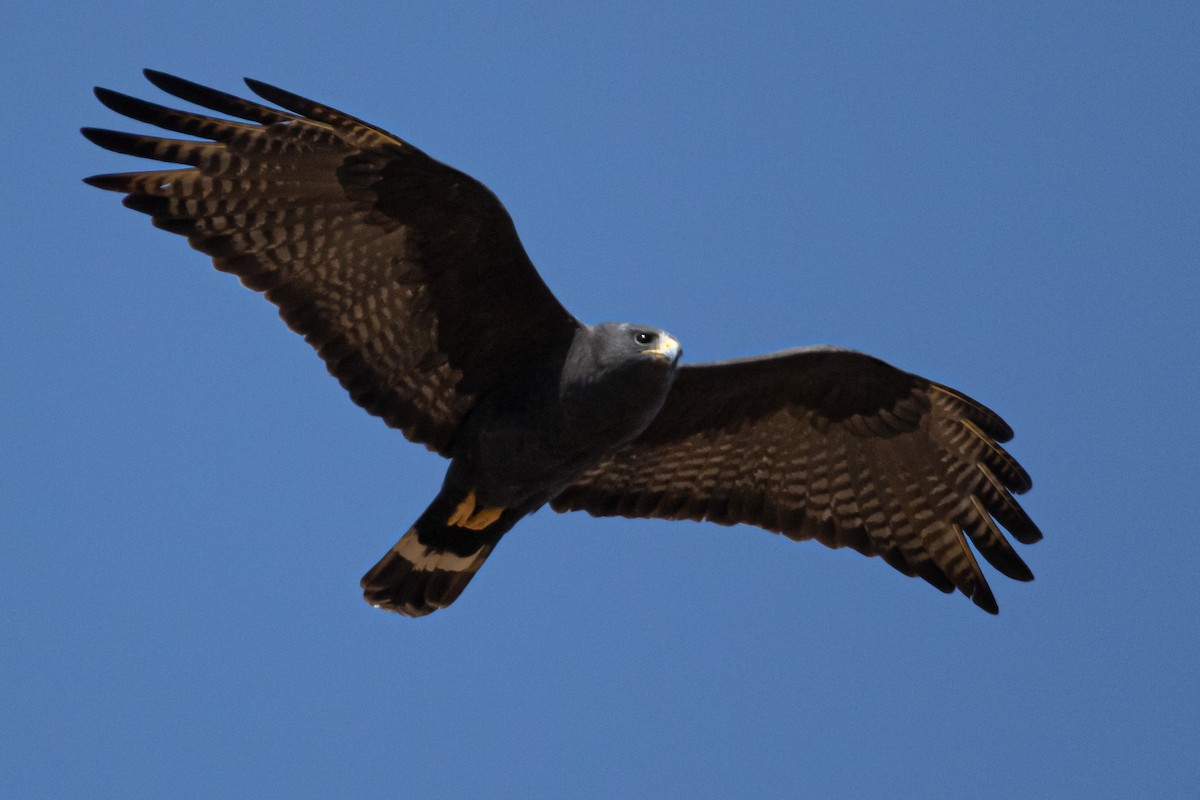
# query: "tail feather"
{"type": "Point", "coordinates": [431, 564]}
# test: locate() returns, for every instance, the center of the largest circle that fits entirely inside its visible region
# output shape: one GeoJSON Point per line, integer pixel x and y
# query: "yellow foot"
{"type": "Point", "coordinates": [465, 516]}
{"type": "Point", "coordinates": [483, 518]}
{"type": "Point", "coordinates": [463, 511]}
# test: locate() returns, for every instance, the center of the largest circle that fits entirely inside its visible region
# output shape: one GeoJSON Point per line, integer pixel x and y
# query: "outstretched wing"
{"type": "Point", "coordinates": [406, 275]}
{"type": "Point", "coordinates": [833, 445]}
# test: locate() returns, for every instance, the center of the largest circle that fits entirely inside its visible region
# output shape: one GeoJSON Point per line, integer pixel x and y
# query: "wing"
{"type": "Point", "coordinates": [406, 275]}
{"type": "Point", "coordinates": [833, 445]}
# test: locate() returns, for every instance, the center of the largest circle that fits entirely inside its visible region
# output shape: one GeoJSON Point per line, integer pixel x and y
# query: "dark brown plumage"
{"type": "Point", "coordinates": [409, 279]}
{"type": "Point", "coordinates": [830, 445]}
{"type": "Point", "coordinates": [417, 307]}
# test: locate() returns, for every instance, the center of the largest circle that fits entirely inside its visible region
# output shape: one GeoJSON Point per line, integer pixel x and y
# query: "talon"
{"type": "Point", "coordinates": [463, 511]}
{"type": "Point", "coordinates": [483, 518]}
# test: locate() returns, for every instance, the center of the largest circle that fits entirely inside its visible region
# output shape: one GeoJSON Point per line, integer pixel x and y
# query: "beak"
{"type": "Point", "coordinates": [667, 348]}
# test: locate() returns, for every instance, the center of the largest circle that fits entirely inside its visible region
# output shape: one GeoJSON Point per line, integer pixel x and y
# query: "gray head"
{"type": "Point", "coordinates": [622, 344]}
{"type": "Point", "coordinates": [616, 378]}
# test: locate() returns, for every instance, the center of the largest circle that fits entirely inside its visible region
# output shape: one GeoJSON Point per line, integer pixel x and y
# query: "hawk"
{"type": "Point", "coordinates": [409, 280]}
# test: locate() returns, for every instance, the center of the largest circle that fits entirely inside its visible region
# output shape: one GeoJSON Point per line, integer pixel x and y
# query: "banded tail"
{"type": "Point", "coordinates": [431, 564]}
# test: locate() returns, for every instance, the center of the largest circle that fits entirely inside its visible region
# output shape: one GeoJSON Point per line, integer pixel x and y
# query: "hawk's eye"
{"type": "Point", "coordinates": [641, 337]}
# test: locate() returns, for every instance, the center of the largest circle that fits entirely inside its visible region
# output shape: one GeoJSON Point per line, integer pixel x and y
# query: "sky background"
{"type": "Point", "coordinates": [1006, 200]}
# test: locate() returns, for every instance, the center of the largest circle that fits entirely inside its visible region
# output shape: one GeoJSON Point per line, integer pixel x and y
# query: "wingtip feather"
{"type": "Point", "coordinates": [104, 182]}
{"type": "Point", "coordinates": [168, 82]}
{"type": "Point", "coordinates": [983, 598]}
{"type": "Point", "coordinates": [115, 141]}
{"type": "Point", "coordinates": [273, 94]}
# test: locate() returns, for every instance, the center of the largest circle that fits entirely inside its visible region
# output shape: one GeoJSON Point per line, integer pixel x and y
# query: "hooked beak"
{"type": "Point", "coordinates": [667, 348]}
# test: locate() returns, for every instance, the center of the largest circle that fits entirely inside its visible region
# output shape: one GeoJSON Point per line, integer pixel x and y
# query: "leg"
{"type": "Point", "coordinates": [465, 515]}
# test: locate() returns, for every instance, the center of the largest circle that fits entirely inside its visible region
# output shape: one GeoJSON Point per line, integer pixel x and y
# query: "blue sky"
{"type": "Point", "coordinates": [1006, 200]}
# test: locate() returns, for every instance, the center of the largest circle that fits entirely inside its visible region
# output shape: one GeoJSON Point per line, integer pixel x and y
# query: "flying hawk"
{"type": "Point", "coordinates": [408, 278]}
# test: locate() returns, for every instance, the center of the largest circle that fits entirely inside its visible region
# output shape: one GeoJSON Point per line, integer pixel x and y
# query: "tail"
{"type": "Point", "coordinates": [432, 563]}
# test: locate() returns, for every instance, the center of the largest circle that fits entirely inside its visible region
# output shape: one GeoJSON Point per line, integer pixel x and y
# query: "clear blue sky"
{"type": "Point", "coordinates": [1004, 199]}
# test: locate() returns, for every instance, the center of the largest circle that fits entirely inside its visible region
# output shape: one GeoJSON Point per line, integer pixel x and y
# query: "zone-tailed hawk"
{"type": "Point", "coordinates": [408, 278]}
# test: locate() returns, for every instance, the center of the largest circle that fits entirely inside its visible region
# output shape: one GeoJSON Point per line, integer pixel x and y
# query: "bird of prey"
{"type": "Point", "coordinates": [409, 280]}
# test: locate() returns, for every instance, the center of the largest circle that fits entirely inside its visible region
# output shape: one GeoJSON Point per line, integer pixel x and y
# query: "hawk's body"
{"type": "Point", "coordinates": [408, 278]}
{"type": "Point", "coordinates": [519, 448]}
{"type": "Point", "coordinates": [526, 442]}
